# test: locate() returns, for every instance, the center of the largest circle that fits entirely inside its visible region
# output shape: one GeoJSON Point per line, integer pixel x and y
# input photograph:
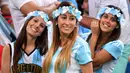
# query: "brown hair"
{"type": "Point", "coordinates": [115, 33]}
{"type": "Point", "coordinates": [41, 43]}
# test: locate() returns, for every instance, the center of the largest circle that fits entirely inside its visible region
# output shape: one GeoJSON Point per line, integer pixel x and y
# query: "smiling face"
{"type": "Point", "coordinates": [108, 22]}
{"type": "Point", "coordinates": [66, 23]}
{"type": "Point", "coordinates": [35, 27]}
{"type": "Point", "coordinates": [85, 6]}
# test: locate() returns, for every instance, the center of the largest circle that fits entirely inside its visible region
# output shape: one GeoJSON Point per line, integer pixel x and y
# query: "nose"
{"type": "Point", "coordinates": [67, 21]}
{"type": "Point", "coordinates": [37, 24]}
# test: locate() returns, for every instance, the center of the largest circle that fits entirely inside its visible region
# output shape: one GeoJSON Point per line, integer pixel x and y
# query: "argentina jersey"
{"type": "Point", "coordinates": [28, 63]}
{"type": "Point", "coordinates": [80, 54]}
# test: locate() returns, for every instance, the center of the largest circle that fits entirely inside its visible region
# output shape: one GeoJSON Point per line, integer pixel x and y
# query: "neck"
{"type": "Point", "coordinates": [102, 40]}
{"type": "Point", "coordinates": [30, 40]}
{"type": "Point", "coordinates": [105, 36]}
{"type": "Point", "coordinates": [63, 38]}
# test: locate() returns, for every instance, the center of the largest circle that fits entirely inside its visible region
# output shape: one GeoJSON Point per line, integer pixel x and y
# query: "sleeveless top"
{"type": "Point", "coordinates": [28, 63]}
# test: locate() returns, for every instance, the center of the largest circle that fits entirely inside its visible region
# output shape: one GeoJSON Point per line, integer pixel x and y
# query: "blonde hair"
{"type": "Point", "coordinates": [65, 54]}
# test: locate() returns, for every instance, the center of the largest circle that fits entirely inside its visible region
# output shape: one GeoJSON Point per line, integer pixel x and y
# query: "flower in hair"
{"type": "Point", "coordinates": [38, 13]}
{"type": "Point", "coordinates": [70, 9]}
{"type": "Point", "coordinates": [113, 12]}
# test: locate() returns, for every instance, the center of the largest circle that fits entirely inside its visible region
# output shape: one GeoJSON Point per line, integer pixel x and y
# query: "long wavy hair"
{"type": "Point", "coordinates": [41, 43]}
{"type": "Point", "coordinates": [63, 59]}
{"type": "Point", "coordinates": [115, 33]}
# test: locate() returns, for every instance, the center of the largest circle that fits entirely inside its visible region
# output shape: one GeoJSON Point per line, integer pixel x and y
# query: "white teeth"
{"type": "Point", "coordinates": [66, 28]}
{"type": "Point", "coordinates": [34, 29]}
{"type": "Point", "coordinates": [106, 25]}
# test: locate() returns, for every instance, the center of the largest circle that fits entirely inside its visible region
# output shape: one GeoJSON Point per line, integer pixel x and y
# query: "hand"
{"type": "Point", "coordinates": [50, 8]}
{"type": "Point", "coordinates": [57, 3]}
{"type": "Point", "coordinates": [97, 67]}
{"type": "Point", "coordinates": [95, 27]}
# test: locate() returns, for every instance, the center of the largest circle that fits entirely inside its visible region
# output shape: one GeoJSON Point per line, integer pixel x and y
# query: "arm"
{"type": "Point", "coordinates": [93, 41]}
{"type": "Point", "coordinates": [5, 68]}
{"type": "Point", "coordinates": [101, 57]}
{"type": "Point", "coordinates": [28, 7]}
{"type": "Point", "coordinates": [87, 68]}
{"type": "Point", "coordinates": [94, 38]}
{"type": "Point", "coordinates": [31, 6]}
{"type": "Point", "coordinates": [110, 51]}
{"type": "Point", "coordinates": [50, 8]}
{"type": "Point", "coordinates": [86, 21]}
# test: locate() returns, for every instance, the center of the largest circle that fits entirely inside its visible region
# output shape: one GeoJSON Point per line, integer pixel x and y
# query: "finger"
{"type": "Point", "coordinates": [57, 3]}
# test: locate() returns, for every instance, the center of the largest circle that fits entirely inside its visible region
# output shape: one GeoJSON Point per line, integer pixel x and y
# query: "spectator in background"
{"type": "Point", "coordinates": [7, 33]}
{"type": "Point", "coordinates": [121, 66]}
{"type": "Point", "coordinates": [129, 6]}
{"type": "Point", "coordinates": [128, 65]}
{"type": "Point", "coordinates": [20, 8]}
{"type": "Point", "coordinates": [4, 40]}
{"type": "Point", "coordinates": [6, 12]}
{"type": "Point", "coordinates": [85, 13]}
{"type": "Point", "coordinates": [79, 3]}
{"type": "Point", "coordinates": [85, 7]}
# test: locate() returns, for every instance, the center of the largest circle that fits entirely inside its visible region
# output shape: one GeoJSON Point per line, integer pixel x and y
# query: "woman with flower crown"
{"type": "Point", "coordinates": [103, 39]}
{"type": "Point", "coordinates": [69, 53]}
{"type": "Point", "coordinates": [26, 54]}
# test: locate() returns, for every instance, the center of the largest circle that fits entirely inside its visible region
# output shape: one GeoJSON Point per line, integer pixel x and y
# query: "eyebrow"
{"type": "Point", "coordinates": [39, 20]}
{"type": "Point", "coordinates": [36, 18]}
{"type": "Point", "coordinates": [70, 15]}
{"type": "Point", "coordinates": [107, 15]}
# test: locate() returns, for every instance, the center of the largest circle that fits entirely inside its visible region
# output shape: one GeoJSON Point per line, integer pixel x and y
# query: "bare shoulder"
{"type": "Point", "coordinates": [6, 60]}
{"type": "Point", "coordinates": [6, 50]}
{"type": "Point", "coordinates": [6, 47]}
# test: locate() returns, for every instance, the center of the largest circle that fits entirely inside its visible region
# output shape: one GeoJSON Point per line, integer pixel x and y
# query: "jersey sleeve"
{"type": "Point", "coordinates": [83, 54]}
{"type": "Point", "coordinates": [85, 35]}
{"type": "Point", "coordinates": [114, 48]}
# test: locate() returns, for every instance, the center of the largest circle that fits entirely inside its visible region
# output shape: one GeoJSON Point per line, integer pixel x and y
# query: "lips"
{"type": "Point", "coordinates": [34, 29]}
{"type": "Point", "coordinates": [106, 24]}
{"type": "Point", "coordinates": [66, 27]}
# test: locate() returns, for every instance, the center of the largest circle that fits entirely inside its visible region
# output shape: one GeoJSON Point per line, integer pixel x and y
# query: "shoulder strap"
{"type": "Point", "coordinates": [11, 52]}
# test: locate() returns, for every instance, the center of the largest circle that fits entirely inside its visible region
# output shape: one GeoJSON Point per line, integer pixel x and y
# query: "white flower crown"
{"type": "Point", "coordinates": [39, 13]}
{"type": "Point", "coordinates": [70, 9]}
{"type": "Point", "coordinates": [113, 12]}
